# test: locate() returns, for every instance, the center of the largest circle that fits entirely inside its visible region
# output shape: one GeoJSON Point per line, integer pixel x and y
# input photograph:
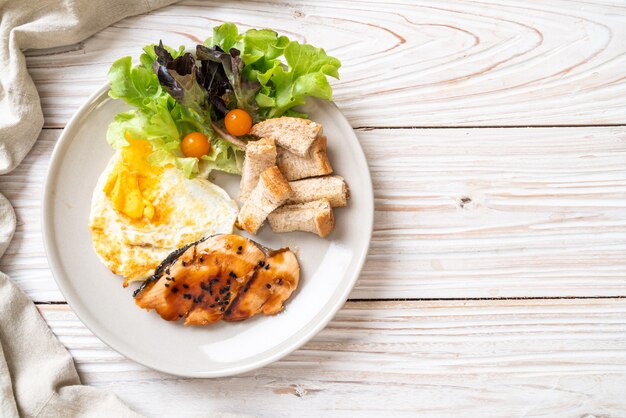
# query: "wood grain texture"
{"type": "Point", "coordinates": [459, 213]}
{"type": "Point", "coordinates": [405, 63]}
{"type": "Point", "coordinates": [482, 358]}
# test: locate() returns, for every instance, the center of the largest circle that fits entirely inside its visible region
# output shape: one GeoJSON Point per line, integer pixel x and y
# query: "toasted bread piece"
{"type": "Point", "coordinates": [316, 217]}
{"type": "Point", "coordinates": [315, 163]}
{"type": "Point", "coordinates": [271, 191]}
{"type": "Point", "coordinates": [260, 155]}
{"type": "Point", "coordinates": [294, 134]}
{"type": "Point", "coordinates": [332, 188]}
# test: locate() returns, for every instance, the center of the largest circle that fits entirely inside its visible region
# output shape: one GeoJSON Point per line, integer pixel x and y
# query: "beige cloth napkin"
{"type": "Point", "coordinates": [37, 375]}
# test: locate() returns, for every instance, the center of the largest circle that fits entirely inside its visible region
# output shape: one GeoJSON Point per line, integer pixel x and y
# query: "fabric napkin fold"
{"type": "Point", "coordinates": [37, 374]}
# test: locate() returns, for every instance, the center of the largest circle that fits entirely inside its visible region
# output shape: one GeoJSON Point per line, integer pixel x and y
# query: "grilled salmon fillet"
{"type": "Point", "coordinates": [225, 277]}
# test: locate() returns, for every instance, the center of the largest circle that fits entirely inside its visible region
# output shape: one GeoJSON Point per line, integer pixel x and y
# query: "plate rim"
{"type": "Point", "coordinates": [57, 272]}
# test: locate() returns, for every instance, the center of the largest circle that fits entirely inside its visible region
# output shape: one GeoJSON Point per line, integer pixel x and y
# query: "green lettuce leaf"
{"type": "Point", "coordinates": [123, 123]}
{"type": "Point", "coordinates": [288, 72]}
{"type": "Point", "coordinates": [223, 157]}
{"type": "Point", "coordinates": [306, 75]}
{"type": "Point", "coordinates": [262, 47]}
{"type": "Point", "coordinates": [225, 36]}
{"type": "Point", "coordinates": [161, 157]}
{"type": "Point", "coordinates": [136, 85]}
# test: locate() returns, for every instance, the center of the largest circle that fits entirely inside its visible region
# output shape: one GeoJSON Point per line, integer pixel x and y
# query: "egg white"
{"type": "Point", "coordinates": [191, 209]}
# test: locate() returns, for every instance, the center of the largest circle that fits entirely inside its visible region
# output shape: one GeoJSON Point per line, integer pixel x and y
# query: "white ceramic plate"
{"type": "Point", "coordinates": [329, 266]}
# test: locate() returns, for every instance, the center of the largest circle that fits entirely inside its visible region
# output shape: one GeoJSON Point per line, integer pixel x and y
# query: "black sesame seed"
{"type": "Point", "coordinates": [212, 305]}
{"type": "Point", "coordinates": [227, 281]}
{"type": "Point", "coordinates": [187, 295]}
{"type": "Point", "coordinates": [240, 248]}
{"type": "Point", "coordinates": [167, 285]}
{"type": "Point", "coordinates": [261, 263]}
{"type": "Point", "coordinates": [167, 270]}
{"type": "Point", "coordinates": [232, 274]}
{"type": "Point", "coordinates": [180, 315]}
{"type": "Point", "coordinates": [269, 286]}
{"type": "Point", "coordinates": [201, 259]}
{"type": "Point", "coordinates": [217, 298]}
{"type": "Point", "coordinates": [222, 309]}
{"type": "Point", "coordinates": [184, 263]}
{"type": "Point", "coordinates": [280, 281]}
{"type": "Point", "coordinates": [204, 286]}
{"type": "Point", "coordinates": [200, 298]}
{"type": "Point", "coordinates": [174, 289]}
{"type": "Point", "coordinates": [186, 286]}
{"type": "Point", "coordinates": [267, 267]}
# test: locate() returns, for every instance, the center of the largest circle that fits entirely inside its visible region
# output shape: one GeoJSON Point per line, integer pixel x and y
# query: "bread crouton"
{"type": "Point", "coordinates": [271, 191]}
{"type": "Point", "coordinates": [294, 134]}
{"type": "Point", "coordinates": [315, 163]}
{"type": "Point", "coordinates": [316, 217]}
{"type": "Point", "coordinates": [332, 188]}
{"type": "Point", "coordinates": [260, 155]}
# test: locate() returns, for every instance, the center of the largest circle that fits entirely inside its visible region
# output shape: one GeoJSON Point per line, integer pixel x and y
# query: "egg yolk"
{"type": "Point", "coordinates": [133, 184]}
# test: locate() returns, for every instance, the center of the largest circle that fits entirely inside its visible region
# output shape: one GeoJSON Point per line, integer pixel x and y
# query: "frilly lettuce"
{"type": "Point", "coordinates": [287, 71]}
{"type": "Point", "coordinates": [161, 119]}
{"type": "Point", "coordinates": [175, 93]}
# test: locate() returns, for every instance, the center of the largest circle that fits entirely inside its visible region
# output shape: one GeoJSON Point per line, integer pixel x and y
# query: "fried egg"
{"type": "Point", "coordinates": [140, 213]}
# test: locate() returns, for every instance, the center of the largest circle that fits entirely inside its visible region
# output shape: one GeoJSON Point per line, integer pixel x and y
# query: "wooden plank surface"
{"type": "Point", "coordinates": [406, 63]}
{"type": "Point", "coordinates": [544, 358]}
{"type": "Point", "coordinates": [459, 213]}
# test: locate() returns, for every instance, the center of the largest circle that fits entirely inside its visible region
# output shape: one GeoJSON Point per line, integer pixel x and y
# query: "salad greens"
{"type": "Point", "coordinates": [162, 120]}
{"type": "Point", "coordinates": [175, 93]}
{"type": "Point", "coordinates": [282, 87]}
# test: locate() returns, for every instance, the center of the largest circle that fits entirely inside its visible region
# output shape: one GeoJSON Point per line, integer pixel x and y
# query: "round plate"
{"type": "Point", "coordinates": [329, 267]}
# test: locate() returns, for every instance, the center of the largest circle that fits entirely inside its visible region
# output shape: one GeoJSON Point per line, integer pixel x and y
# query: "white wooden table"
{"type": "Point", "coordinates": [496, 280]}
